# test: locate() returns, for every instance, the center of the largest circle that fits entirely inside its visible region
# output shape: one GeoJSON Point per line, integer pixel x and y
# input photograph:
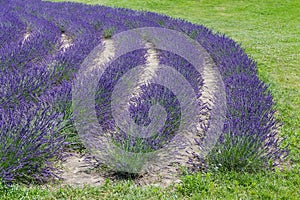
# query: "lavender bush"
{"type": "Point", "coordinates": [250, 139]}
{"type": "Point", "coordinates": [30, 126]}
{"type": "Point", "coordinates": [30, 141]}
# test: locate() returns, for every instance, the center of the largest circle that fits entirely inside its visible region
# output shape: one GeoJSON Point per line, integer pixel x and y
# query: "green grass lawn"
{"type": "Point", "coordinates": [269, 31]}
{"type": "Point", "coordinates": [232, 185]}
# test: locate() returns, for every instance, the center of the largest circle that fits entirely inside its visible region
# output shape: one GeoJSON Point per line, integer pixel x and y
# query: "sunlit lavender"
{"type": "Point", "coordinates": [43, 44]}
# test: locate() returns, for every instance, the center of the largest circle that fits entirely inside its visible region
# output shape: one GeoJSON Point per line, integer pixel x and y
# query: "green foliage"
{"type": "Point", "coordinates": [222, 185]}
{"type": "Point", "coordinates": [107, 33]}
{"type": "Point", "coordinates": [234, 185]}
{"type": "Point", "coordinates": [238, 153]}
{"type": "Point", "coordinates": [129, 156]}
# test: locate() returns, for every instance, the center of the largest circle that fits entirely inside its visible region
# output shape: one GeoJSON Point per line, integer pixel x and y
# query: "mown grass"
{"type": "Point", "coordinates": [269, 31]}
{"type": "Point", "coordinates": [231, 185]}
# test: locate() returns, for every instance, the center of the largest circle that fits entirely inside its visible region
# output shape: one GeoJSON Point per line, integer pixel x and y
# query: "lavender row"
{"type": "Point", "coordinates": [250, 105]}
{"type": "Point", "coordinates": [11, 30]}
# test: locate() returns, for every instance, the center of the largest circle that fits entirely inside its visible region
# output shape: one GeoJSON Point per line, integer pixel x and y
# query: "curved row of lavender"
{"type": "Point", "coordinates": [42, 45]}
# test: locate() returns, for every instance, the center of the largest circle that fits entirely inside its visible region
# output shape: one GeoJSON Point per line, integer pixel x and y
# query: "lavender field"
{"type": "Point", "coordinates": [43, 46]}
